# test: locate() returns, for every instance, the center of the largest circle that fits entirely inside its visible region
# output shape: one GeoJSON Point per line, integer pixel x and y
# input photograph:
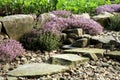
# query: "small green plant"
{"type": "Point", "coordinates": [114, 23]}
{"type": "Point", "coordinates": [30, 40]}
{"type": "Point", "coordinates": [39, 40]}
{"type": "Point", "coordinates": [49, 41]}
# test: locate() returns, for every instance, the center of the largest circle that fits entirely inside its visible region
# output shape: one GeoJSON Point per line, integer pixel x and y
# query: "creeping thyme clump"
{"type": "Point", "coordinates": [57, 24]}
{"type": "Point", "coordinates": [88, 25]}
{"type": "Point", "coordinates": [108, 8]}
{"type": "Point", "coordinates": [9, 49]}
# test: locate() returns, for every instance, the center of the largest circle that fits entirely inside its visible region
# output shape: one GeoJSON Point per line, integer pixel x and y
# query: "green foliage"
{"type": "Point", "coordinates": [38, 40]}
{"type": "Point", "coordinates": [81, 6]}
{"type": "Point", "coordinates": [30, 40]}
{"type": "Point", "coordinates": [26, 6]}
{"type": "Point", "coordinates": [40, 6]}
{"type": "Point", "coordinates": [114, 23]}
{"type": "Point", "coordinates": [49, 41]}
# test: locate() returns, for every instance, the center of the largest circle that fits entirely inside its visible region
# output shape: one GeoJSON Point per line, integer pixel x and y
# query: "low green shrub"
{"type": "Point", "coordinates": [113, 23]}
{"type": "Point", "coordinates": [39, 40]}
{"type": "Point", "coordinates": [49, 41]}
{"type": "Point", "coordinates": [30, 40]}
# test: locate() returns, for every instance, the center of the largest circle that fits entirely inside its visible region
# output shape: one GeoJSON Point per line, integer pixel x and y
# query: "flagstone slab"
{"type": "Point", "coordinates": [93, 53]}
{"type": "Point", "coordinates": [37, 69]}
{"type": "Point", "coordinates": [68, 59]}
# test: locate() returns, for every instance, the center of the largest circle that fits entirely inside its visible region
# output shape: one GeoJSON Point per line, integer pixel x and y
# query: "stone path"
{"type": "Point", "coordinates": [40, 69]}
{"type": "Point", "coordinates": [67, 66]}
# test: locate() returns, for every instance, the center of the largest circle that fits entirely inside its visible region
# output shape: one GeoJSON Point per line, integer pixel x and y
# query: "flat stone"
{"type": "Point", "coordinates": [103, 39]}
{"type": "Point", "coordinates": [114, 54]}
{"type": "Point", "coordinates": [89, 52]}
{"type": "Point", "coordinates": [67, 59]}
{"type": "Point", "coordinates": [37, 69]}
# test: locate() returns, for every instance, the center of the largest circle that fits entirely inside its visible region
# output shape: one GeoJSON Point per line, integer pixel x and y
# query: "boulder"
{"type": "Point", "coordinates": [67, 59]}
{"type": "Point", "coordinates": [37, 69]}
{"type": "Point", "coordinates": [17, 25]}
{"type": "Point", "coordinates": [43, 18]}
{"type": "Point", "coordinates": [103, 17]}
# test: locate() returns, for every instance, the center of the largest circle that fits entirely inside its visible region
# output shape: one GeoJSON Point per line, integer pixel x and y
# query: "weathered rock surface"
{"type": "Point", "coordinates": [109, 40]}
{"type": "Point", "coordinates": [103, 39]}
{"type": "Point", "coordinates": [114, 54]}
{"type": "Point", "coordinates": [17, 25]}
{"type": "Point", "coordinates": [80, 43]}
{"type": "Point", "coordinates": [103, 17]}
{"type": "Point", "coordinates": [93, 53]}
{"type": "Point", "coordinates": [67, 59]}
{"type": "Point", "coordinates": [37, 69]}
{"type": "Point", "coordinates": [43, 18]}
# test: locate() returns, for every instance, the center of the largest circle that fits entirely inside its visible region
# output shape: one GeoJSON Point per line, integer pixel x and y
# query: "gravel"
{"type": "Point", "coordinates": [103, 69]}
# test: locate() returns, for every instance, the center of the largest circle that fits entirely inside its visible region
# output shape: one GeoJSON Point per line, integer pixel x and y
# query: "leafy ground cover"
{"type": "Point", "coordinates": [8, 7]}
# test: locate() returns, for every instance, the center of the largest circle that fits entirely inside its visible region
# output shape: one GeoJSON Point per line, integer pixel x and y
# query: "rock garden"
{"type": "Point", "coordinates": [60, 44]}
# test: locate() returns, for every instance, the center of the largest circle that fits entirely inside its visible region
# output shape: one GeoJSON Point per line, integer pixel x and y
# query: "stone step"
{"type": "Point", "coordinates": [67, 59]}
{"type": "Point", "coordinates": [93, 53]}
{"type": "Point", "coordinates": [114, 54]}
{"type": "Point", "coordinates": [37, 69]}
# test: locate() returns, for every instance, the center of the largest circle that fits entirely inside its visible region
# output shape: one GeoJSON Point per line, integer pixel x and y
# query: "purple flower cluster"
{"type": "Point", "coordinates": [9, 49]}
{"type": "Point", "coordinates": [57, 25]}
{"type": "Point", "coordinates": [108, 8]}
{"type": "Point", "coordinates": [88, 25]}
{"type": "Point", "coordinates": [62, 13]}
